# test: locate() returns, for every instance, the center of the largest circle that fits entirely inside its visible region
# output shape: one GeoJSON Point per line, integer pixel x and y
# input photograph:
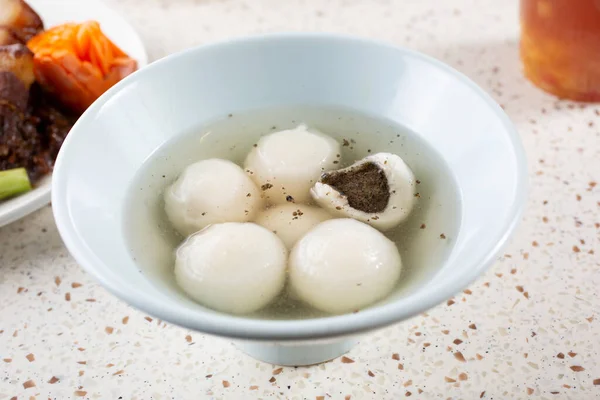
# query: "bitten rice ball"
{"type": "Point", "coordinates": [378, 190]}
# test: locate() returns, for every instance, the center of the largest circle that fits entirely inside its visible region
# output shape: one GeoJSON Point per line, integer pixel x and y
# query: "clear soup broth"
{"type": "Point", "coordinates": [425, 239]}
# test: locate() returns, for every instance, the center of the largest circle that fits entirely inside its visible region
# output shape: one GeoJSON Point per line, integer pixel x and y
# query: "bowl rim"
{"type": "Point", "coordinates": [240, 327]}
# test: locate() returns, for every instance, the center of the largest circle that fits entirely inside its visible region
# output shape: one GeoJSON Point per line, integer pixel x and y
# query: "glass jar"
{"type": "Point", "coordinates": [560, 47]}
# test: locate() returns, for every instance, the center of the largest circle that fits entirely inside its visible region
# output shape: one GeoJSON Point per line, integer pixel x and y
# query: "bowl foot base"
{"type": "Point", "coordinates": [296, 354]}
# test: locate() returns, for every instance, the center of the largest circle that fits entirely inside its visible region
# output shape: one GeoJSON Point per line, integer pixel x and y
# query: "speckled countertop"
{"type": "Point", "coordinates": [529, 328]}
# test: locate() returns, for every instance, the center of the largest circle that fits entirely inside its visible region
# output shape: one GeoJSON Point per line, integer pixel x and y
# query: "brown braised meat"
{"type": "Point", "coordinates": [19, 141]}
{"type": "Point", "coordinates": [32, 128]}
{"type": "Point", "coordinates": [31, 139]}
{"type": "Point", "coordinates": [6, 37]}
{"type": "Point", "coordinates": [13, 91]}
{"type": "Point", "coordinates": [19, 22]}
{"type": "Point", "coordinates": [18, 59]}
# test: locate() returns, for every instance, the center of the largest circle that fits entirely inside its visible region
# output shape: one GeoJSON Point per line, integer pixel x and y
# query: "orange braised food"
{"type": "Point", "coordinates": [560, 46]}
{"type": "Point", "coordinates": [77, 63]}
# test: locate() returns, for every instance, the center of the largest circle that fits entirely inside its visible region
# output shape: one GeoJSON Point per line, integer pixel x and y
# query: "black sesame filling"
{"type": "Point", "coordinates": [365, 186]}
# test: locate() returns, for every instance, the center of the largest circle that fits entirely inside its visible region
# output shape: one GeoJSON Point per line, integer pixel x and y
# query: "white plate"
{"type": "Point", "coordinates": [55, 12]}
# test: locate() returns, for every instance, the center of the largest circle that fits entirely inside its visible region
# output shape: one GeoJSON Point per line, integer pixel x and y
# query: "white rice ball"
{"type": "Point", "coordinates": [343, 265]}
{"type": "Point", "coordinates": [210, 192]}
{"type": "Point", "coordinates": [291, 221]}
{"type": "Point", "coordinates": [288, 163]}
{"type": "Point", "coordinates": [232, 267]}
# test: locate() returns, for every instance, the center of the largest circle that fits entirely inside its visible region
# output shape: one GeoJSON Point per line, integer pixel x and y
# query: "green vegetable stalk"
{"type": "Point", "coordinates": [13, 182]}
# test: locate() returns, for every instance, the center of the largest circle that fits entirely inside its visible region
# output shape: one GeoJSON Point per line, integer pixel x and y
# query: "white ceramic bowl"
{"type": "Point", "coordinates": [121, 130]}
